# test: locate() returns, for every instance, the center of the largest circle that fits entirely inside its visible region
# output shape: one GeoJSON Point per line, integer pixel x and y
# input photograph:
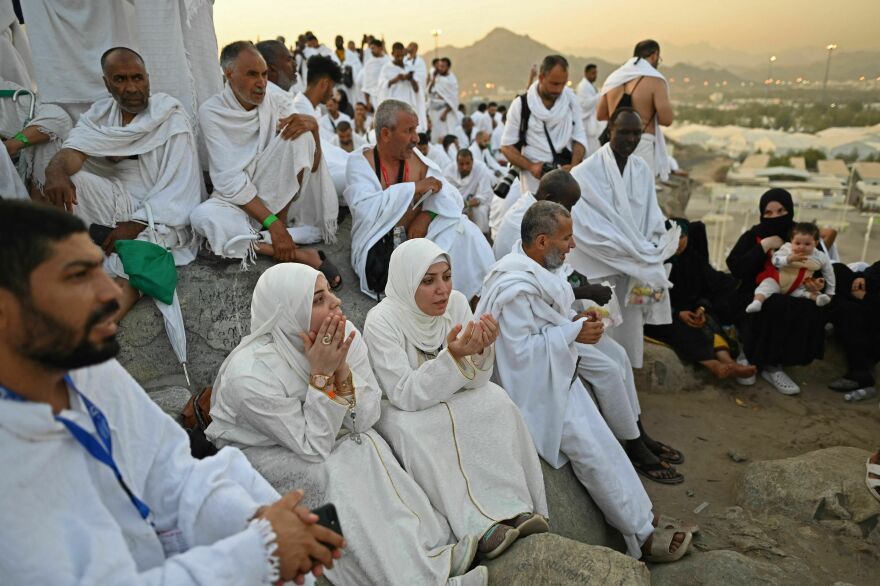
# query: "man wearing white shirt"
{"type": "Point", "coordinates": [373, 66]}
{"type": "Point", "coordinates": [332, 118]}
{"type": "Point", "coordinates": [127, 503]}
{"type": "Point", "coordinates": [589, 100]}
{"type": "Point", "coordinates": [482, 151]}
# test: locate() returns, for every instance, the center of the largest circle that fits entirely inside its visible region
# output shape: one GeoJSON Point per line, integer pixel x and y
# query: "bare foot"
{"type": "Point", "coordinates": [721, 370]}
{"type": "Point", "coordinates": [677, 540]}
{"type": "Point", "coordinates": [744, 370]}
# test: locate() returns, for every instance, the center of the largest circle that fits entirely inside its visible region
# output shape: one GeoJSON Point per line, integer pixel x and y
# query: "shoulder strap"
{"type": "Point", "coordinates": [378, 165]}
{"type": "Point", "coordinates": [524, 114]}
{"type": "Point", "coordinates": [638, 81]}
{"type": "Point", "coordinates": [549, 141]}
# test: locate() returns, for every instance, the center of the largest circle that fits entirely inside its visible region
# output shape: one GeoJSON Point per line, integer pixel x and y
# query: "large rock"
{"type": "Point", "coordinates": [662, 370]}
{"type": "Point", "coordinates": [826, 485]}
{"type": "Point", "coordinates": [716, 568]}
{"type": "Point", "coordinates": [551, 560]}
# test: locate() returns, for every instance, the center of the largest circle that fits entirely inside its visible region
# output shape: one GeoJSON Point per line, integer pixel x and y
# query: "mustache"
{"type": "Point", "coordinates": [102, 313]}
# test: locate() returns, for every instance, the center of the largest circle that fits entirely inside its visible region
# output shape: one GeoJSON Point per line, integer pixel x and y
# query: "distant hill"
{"type": "Point", "coordinates": [845, 66]}
{"type": "Point", "coordinates": [503, 58]}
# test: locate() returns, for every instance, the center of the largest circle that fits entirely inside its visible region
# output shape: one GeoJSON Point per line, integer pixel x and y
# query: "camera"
{"type": "Point", "coordinates": [503, 187]}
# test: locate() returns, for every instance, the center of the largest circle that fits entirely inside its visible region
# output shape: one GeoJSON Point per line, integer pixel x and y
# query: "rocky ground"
{"type": "Point", "coordinates": [783, 476]}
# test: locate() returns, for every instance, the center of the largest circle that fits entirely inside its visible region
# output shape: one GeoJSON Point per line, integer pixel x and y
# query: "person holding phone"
{"type": "Point", "coordinates": [99, 485]}
{"type": "Point", "coordinates": [298, 395]}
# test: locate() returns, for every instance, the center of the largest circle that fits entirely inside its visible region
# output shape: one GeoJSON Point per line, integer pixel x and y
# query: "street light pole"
{"type": "Point", "coordinates": [831, 49]}
{"type": "Point", "coordinates": [769, 74]}
{"type": "Point", "coordinates": [436, 34]}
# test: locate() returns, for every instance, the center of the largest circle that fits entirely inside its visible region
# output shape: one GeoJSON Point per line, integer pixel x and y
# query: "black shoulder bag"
{"type": "Point", "coordinates": [379, 255]}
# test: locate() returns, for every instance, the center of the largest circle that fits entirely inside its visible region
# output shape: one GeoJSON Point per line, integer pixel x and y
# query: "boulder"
{"type": "Point", "coordinates": [170, 399]}
{"type": "Point", "coordinates": [662, 370]}
{"type": "Point", "coordinates": [718, 567]}
{"type": "Point", "coordinates": [552, 560]}
{"type": "Point", "coordinates": [825, 485]}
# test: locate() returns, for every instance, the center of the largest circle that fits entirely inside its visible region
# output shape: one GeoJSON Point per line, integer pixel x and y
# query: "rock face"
{"type": "Point", "coordinates": [664, 371]}
{"type": "Point", "coordinates": [549, 559]}
{"type": "Point", "coordinates": [716, 568]}
{"type": "Point", "coordinates": [826, 486]}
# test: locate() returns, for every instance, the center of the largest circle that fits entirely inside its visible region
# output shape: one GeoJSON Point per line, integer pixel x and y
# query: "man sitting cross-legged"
{"type": "Point", "coordinates": [391, 189]}
{"type": "Point", "coordinates": [131, 156]}
{"type": "Point", "coordinates": [262, 157]}
{"type": "Point", "coordinates": [539, 365]}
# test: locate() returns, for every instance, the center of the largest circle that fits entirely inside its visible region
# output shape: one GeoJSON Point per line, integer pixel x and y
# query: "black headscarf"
{"type": "Point", "coordinates": [779, 226]}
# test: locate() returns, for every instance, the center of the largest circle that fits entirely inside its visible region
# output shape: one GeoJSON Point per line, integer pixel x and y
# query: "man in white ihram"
{"type": "Point", "coordinates": [99, 485]}
{"type": "Point", "coordinates": [589, 100]}
{"type": "Point", "coordinates": [473, 180]}
{"type": "Point", "coordinates": [537, 364]}
{"type": "Point", "coordinates": [392, 186]}
{"type": "Point", "coordinates": [443, 101]}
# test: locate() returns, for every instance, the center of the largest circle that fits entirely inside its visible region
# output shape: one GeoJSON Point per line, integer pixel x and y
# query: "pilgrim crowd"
{"type": "Point", "coordinates": [518, 255]}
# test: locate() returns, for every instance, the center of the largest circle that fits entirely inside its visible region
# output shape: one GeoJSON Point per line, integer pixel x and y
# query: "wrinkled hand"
{"type": "Point", "coordinates": [428, 184]}
{"type": "Point", "coordinates": [123, 231]}
{"type": "Point", "coordinates": [60, 191]}
{"type": "Point", "coordinates": [591, 330]}
{"type": "Point", "coordinates": [301, 542]}
{"type": "Point", "coordinates": [859, 289]}
{"type": "Point", "coordinates": [469, 342]}
{"type": "Point", "coordinates": [283, 246]}
{"type": "Point", "coordinates": [772, 243]}
{"type": "Point", "coordinates": [327, 358]}
{"type": "Point", "coordinates": [296, 125]}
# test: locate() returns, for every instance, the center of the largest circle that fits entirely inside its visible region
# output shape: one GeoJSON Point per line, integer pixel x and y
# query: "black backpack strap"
{"type": "Point", "coordinates": [524, 114]}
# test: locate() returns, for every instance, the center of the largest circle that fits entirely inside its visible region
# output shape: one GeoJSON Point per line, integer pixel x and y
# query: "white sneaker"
{"type": "Point", "coordinates": [750, 380]}
{"type": "Point", "coordinates": [780, 381]}
{"type": "Point", "coordinates": [479, 576]}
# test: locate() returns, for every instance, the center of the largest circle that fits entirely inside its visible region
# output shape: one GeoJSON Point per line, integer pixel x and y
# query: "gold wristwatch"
{"type": "Point", "coordinates": [319, 381]}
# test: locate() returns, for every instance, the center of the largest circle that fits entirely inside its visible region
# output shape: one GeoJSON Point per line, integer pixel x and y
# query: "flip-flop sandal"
{"type": "Point", "coordinates": [860, 395]}
{"type": "Point", "coordinates": [330, 271]}
{"type": "Point", "coordinates": [463, 554]}
{"type": "Point", "coordinates": [530, 523]}
{"type": "Point", "coordinates": [873, 484]}
{"type": "Point", "coordinates": [667, 522]}
{"type": "Point", "coordinates": [496, 540]}
{"type": "Point", "coordinates": [661, 543]}
{"type": "Point", "coordinates": [668, 454]}
{"type": "Point", "coordinates": [646, 470]}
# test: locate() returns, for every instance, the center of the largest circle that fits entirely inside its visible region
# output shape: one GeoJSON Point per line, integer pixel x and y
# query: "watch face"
{"type": "Point", "coordinates": [320, 380]}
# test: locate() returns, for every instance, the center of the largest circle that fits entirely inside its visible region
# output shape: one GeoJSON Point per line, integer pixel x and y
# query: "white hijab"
{"type": "Point", "coordinates": [409, 263]}
{"type": "Point", "coordinates": [281, 306]}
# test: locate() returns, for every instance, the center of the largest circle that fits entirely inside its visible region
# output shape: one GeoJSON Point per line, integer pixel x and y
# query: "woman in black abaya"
{"type": "Point", "coordinates": [788, 331]}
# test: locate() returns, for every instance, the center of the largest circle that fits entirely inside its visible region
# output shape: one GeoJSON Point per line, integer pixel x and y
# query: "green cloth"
{"type": "Point", "coordinates": [150, 268]}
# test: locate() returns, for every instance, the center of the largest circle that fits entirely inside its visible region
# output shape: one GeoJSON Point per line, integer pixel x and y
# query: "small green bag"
{"type": "Point", "coordinates": [150, 268]}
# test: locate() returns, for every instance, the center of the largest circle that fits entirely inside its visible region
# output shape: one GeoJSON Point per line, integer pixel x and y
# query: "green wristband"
{"type": "Point", "coordinates": [432, 214]}
{"type": "Point", "coordinates": [22, 139]}
{"type": "Point", "coordinates": [270, 219]}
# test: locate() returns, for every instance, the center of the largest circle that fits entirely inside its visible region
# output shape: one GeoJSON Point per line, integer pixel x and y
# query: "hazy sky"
{"type": "Point", "coordinates": [757, 26]}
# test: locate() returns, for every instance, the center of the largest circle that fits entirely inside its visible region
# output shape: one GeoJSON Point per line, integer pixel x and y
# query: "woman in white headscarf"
{"type": "Point", "coordinates": [458, 434]}
{"type": "Point", "coordinates": [299, 397]}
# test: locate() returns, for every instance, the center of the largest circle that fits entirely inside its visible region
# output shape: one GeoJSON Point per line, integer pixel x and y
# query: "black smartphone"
{"type": "Point", "coordinates": [327, 517]}
{"type": "Point", "coordinates": [99, 233]}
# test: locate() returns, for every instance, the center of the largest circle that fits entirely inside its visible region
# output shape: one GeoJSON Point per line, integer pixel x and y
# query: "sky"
{"type": "Point", "coordinates": [755, 26]}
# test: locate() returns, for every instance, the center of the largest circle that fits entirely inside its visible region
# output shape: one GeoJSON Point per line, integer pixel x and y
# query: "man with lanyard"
{"type": "Point", "coordinates": [395, 194]}
{"type": "Point", "coordinates": [111, 491]}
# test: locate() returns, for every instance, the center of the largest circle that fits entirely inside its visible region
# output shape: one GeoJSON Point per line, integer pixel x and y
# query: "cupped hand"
{"type": "Point", "coordinates": [326, 358]}
{"type": "Point", "coordinates": [468, 343]}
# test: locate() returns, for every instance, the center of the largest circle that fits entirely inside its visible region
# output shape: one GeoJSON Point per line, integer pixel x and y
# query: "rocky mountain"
{"type": "Point", "coordinates": [502, 59]}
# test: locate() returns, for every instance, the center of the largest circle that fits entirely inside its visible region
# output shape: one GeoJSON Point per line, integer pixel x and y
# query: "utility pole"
{"type": "Point", "coordinates": [831, 49]}
{"type": "Point", "coordinates": [436, 34]}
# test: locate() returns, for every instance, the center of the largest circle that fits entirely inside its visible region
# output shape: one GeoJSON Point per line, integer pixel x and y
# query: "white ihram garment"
{"type": "Point", "coordinates": [247, 160]}
{"type": "Point", "coordinates": [488, 158]}
{"type": "Point", "coordinates": [537, 362]}
{"type": "Point", "coordinates": [589, 101]}
{"type": "Point", "coordinates": [164, 173]}
{"type": "Point", "coordinates": [300, 437]}
{"type": "Point", "coordinates": [372, 71]}
{"type": "Point", "coordinates": [334, 157]}
{"type": "Point", "coordinates": [376, 211]}
{"type": "Point", "coordinates": [90, 533]}
{"type": "Point", "coordinates": [476, 186]}
{"type": "Point", "coordinates": [563, 121]}
{"type": "Point", "coordinates": [11, 186]}
{"type": "Point", "coordinates": [620, 236]}
{"type": "Point", "coordinates": [418, 65]}
{"type": "Point", "coordinates": [443, 93]}
{"type": "Point", "coordinates": [401, 90]}
{"type": "Point", "coordinates": [16, 64]}
{"type": "Point", "coordinates": [456, 433]}
{"type": "Point", "coordinates": [652, 147]}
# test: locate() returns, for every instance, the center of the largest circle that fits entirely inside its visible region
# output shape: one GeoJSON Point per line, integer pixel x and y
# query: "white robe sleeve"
{"type": "Point", "coordinates": [406, 388]}
{"type": "Point", "coordinates": [511, 126]}
{"type": "Point", "coordinates": [175, 175]}
{"type": "Point", "coordinates": [367, 392]}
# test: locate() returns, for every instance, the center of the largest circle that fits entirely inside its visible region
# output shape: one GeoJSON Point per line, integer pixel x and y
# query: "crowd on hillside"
{"type": "Point", "coordinates": [518, 255]}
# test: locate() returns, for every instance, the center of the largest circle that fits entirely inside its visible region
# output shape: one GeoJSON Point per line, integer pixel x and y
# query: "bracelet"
{"type": "Point", "coordinates": [20, 137]}
{"type": "Point", "coordinates": [432, 214]}
{"type": "Point", "coordinates": [270, 219]}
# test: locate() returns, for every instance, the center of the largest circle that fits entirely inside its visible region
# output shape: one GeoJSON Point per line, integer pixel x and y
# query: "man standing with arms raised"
{"type": "Point", "coordinates": [544, 127]}
{"type": "Point", "coordinates": [639, 85]}
{"type": "Point", "coordinates": [589, 100]}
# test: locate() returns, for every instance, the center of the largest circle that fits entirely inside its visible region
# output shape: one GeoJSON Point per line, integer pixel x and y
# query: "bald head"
{"type": "Point", "coordinates": [117, 54]}
{"type": "Point", "coordinates": [125, 77]}
{"type": "Point", "coordinates": [560, 187]}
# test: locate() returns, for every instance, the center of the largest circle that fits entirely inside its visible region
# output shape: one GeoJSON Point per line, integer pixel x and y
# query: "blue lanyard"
{"type": "Point", "coordinates": [100, 448]}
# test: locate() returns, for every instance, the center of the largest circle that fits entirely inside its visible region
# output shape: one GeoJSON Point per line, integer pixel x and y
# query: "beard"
{"type": "Point", "coordinates": [56, 345]}
{"type": "Point", "coordinates": [553, 260]}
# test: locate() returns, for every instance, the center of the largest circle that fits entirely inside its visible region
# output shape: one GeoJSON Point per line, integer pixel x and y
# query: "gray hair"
{"type": "Point", "coordinates": [388, 112]}
{"type": "Point", "coordinates": [231, 51]}
{"type": "Point", "coordinates": [542, 218]}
